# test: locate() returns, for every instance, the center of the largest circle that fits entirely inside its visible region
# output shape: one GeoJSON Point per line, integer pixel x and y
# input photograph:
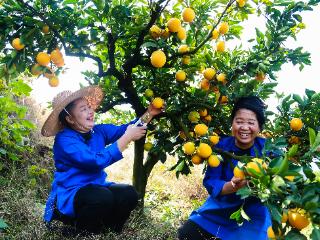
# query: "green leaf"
{"type": "Point", "coordinates": [295, 235]}
{"type": "Point", "coordinates": [315, 233]}
{"type": "Point", "coordinates": [298, 99]}
{"type": "Point", "coordinates": [3, 224]}
{"type": "Point", "coordinates": [312, 136]}
{"type": "Point", "coordinates": [236, 215]}
{"type": "Point", "coordinates": [244, 215]}
{"type": "Point", "coordinates": [293, 150]}
{"type": "Point", "coordinates": [66, 2]}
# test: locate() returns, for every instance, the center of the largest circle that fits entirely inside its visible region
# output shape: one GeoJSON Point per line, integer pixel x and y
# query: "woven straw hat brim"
{"type": "Point", "coordinates": [52, 125]}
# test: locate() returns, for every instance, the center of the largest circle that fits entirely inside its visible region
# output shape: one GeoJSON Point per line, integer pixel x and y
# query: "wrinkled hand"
{"type": "Point", "coordinates": [135, 132]}
{"type": "Point", "coordinates": [238, 183]}
{"type": "Point", "coordinates": [155, 111]}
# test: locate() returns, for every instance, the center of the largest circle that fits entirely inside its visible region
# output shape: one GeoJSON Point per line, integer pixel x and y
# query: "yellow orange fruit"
{"type": "Point", "coordinates": [224, 100]}
{"type": "Point", "coordinates": [204, 150]}
{"type": "Point", "coordinates": [158, 59]}
{"type": "Point", "coordinates": [186, 59]}
{"type": "Point", "coordinates": [16, 44]}
{"type": "Point", "coordinates": [209, 73]}
{"type": "Point", "coordinates": [158, 102]}
{"type": "Point", "coordinates": [60, 63]}
{"type": "Point", "coordinates": [237, 172]}
{"type": "Point", "coordinates": [213, 161]}
{"type": "Point", "coordinates": [165, 33]}
{"type": "Point", "coordinates": [215, 34]}
{"type": "Point", "coordinates": [221, 77]}
{"type": "Point", "coordinates": [271, 234]}
{"type": "Point", "coordinates": [289, 178]}
{"type": "Point", "coordinates": [241, 3]}
{"type": "Point", "coordinates": [201, 129]}
{"type": "Point", "coordinates": [203, 112]}
{"type": "Point", "coordinates": [224, 28]}
{"type": "Point", "coordinates": [174, 24]}
{"type": "Point", "coordinates": [205, 84]}
{"type": "Point", "coordinates": [214, 139]}
{"type": "Point", "coordinates": [56, 56]}
{"type": "Point", "coordinates": [294, 140]}
{"type": "Point", "coordinates": [255, 164]}
{"type": "Point", "coordinates": [296, 124]}
{"type": "Point", "coordinates": [221, 46]}
{"type": "Point", "coordinates": [208, 118]}
{"type": "Point", "coordinates": [147, 146]}
{"type": "Point", "coordinates": [196, 159]}
{"type": "Point", "coordinates": [148, 93]}
{"type": "Point", "coordinates": [284, 217]}
{"type": "Point", "coordinates": [189, 148]}
{"type": "Point", "coordinates": [155, 31]}
{"type": "Point", "coordinates": [45, 29]}
{"type": "Point", "coordinates": [54, 81]}
{"type": "Point", "coordinates": [43, 59]}
{"type": "Point", "coordinates": [181, 76]}
{"type": "Point", "coordinates": [182, 34]}
{"type": "Point", "coordinates": [194, 116]}
{"type": "Point", "coordinates": [36, 69]}
{"type": "Point", "coordinates": [188, 15]}
{"type": "Point", "coordinates": [297, 218]}
{"type": "Point", "coordinates": [183, 48]}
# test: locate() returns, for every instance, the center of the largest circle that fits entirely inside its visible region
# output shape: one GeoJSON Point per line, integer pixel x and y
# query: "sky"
{"type": "Point", "coordinates": [290, 79]}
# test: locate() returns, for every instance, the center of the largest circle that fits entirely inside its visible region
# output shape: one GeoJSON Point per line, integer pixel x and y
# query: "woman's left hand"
{"type": "Point", "coordinates": [154, 111]}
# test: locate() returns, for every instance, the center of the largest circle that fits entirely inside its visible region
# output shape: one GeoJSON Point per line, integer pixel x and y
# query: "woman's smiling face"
{"type": "Point", "coordinates": [245, 128]}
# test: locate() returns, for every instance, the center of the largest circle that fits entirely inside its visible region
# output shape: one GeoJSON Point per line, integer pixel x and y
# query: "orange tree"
{"type": "Point", "coordinates": [179, 51]}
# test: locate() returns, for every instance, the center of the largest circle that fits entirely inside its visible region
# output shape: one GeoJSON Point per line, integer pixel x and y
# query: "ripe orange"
{"type": "Point", "coordinates": [289, 178]}
{"type": "Point", "coordinates": [174, 24]}
{"type": "Point", "coordinates": [60, 64]}
{"type": "Point", "coordinates": [158, 59]}
{"type": "Point", "coordinates": [158, 102]}
{"type": "Point", "coordinates": [181, 76]}
{"type": "Point", "coordinates": [271, 234]}
{"type": "Point", "coordinates": [43, 59]}
{"type": "Point", "coordinates": [215, 34]}
{"type": "Point", "coordinates": [36, 69]}
{"type": "Point", "coordinates": [54, 81]}
{"type": "Point", "coordinates": [16, 44]}
{"type": "Point", "coordinates": [294, 140]}
{"type": "Point", "coordinates": [213, 161]}
{"type": "Point", "coordinates": [297, 218]}
{"type": "Point", "coordinates": [203, 112]}
{"type": "Point", "coordinates": [147, 146]}
{"type": "Point", "coordinates": [56, 56]}
{"type": "Point", "coordinates": [224, 28]}
{"type": "Point", "coordinates": [186, 59]}
{"type": "Point", "coordinates": [284, 217]}
{"type": "Point", "coordinates": [189, 148]}
{"type": "Point", "coordinates": [196, 159]}
{"type": "Point", "coordinates": [182, 34]}
{"type": "Point", "coordinates": [193, 116]}
{"type": "Point", "coordinates": [155, 31]}
{"type": "Point", "coordinates": [237, 172]}
{"type": "Point", "coordinates": [204, 150]}
{"type": "Point", "coordinates": [241, 3]}
{"type": "Point", "coordinates": [205, 84]}
{"type": "Point", "coordinates": [165, 33]}
{"type": "Point", "coordinates": [221, 77]}
{"type": "Point", "coordinates": [188, 15]}
{"type": "Point", "coordinates": [208, 118]}
{"type": "Point", "coordinates": [214, 139]}
{"type": "Point", "coordinates": [45, 29]}
{"type": "Point", "coordinates": [209, 73]}
{"type": "Point", "coordinates": [148, 93]}
{"type": "Point", "coordinates": [201, 129]}
{"type": "Point", "coordinates": [221, 46]}
{"type": "Point", "coordinates": [255, 165]}
{"type": "Point", "coordinates": [224, 100]}
{"type": "Point", "coordinates": [296, 124]}
{"type": "Point", "coordinates": [183, 48]}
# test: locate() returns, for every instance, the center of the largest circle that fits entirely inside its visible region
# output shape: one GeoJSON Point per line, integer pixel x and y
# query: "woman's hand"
{"type": "Point", "coordinates": [132, 133]}
{"type": "Point", "coordinates": [233, 186]}
{"type": "Point", "coordinates": [154, 111]}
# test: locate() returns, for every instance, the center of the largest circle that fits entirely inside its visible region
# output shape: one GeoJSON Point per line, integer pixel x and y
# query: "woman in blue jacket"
{"type": "Point", "coordinates": [80, 194]}
{"type": "Point", "coordinates": [212, 219]}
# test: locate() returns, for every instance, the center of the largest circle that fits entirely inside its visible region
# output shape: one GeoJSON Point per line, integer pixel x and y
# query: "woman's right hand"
{"type": "Point", "coordinates": [135, 132]}
{"type": "Point", "coordinates": [233, 185]}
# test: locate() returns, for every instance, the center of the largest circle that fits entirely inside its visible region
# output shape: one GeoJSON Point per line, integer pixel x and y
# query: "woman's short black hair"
{"type": "Point", "coordinates": [252, 103]}
{"type": "Point", "coordinates": [64, 113]}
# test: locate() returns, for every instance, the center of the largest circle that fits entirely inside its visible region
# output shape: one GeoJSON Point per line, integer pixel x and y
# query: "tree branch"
{"type": "Point", "coordinates": [110, 105]}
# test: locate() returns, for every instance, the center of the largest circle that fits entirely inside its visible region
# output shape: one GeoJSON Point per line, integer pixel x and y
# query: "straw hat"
{"type": "Point", "coordinates": [93, 94]}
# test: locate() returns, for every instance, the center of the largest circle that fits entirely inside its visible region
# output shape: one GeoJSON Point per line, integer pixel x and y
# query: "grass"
{"type": "Point", "coordinates": [168, 201]}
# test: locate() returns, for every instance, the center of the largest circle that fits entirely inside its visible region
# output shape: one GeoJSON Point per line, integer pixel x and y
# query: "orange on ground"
{"type": "Point", "coordinates": [158, 59]}
{"type": "Point", "coordinates": [43, 58]}
{"type": "Point", "coordinates": [158, 102]}
{"type": "Point", "coordinates": [174, 24]}
{"type": "Point", "coordinates": [296, 124]}
{"type": "Point", "coordinates": [204, 150]}
{"type": "Point", "coordinates": [16, 44]}
{"type": "Point", "coordinates": [213, 161]}
{"type": "Point", "coordinates": [188, 15]}
{"type": "Point", "coordinates": [201, 129]}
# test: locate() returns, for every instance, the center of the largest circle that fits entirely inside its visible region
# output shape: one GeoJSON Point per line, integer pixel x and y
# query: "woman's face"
{"type": "Point", "coordinates": [82, 116]}
{"type": "Point", "coordinates": [245, 128]}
